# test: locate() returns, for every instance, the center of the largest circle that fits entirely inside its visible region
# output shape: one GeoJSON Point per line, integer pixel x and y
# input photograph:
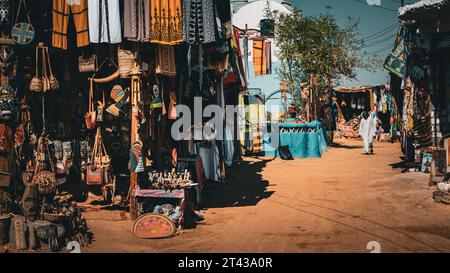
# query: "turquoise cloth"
{"type": "Point", "coordinates": [301, 144]}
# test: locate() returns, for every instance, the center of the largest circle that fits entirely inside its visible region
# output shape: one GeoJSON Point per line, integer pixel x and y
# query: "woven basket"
{"type": "Point", "coordinates": [36, 85]}
{"type": "Point", "coordinates": [126, 62]}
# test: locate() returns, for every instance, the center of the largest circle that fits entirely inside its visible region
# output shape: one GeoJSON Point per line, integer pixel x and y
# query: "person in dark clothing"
{"type": "Point", "coordinates": [329, 113]}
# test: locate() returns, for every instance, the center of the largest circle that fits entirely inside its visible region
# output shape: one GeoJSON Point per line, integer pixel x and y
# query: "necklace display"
{"type": "Point", "coordinates": [171, 180]}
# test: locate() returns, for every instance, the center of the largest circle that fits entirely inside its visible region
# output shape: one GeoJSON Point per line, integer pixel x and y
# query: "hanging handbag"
{"type": "Point", "coordinates": [86, 65]}
{"type": "Point", "coordinates": [90, 116]}
{"type": "Point", "coordinates": [44, 179]}
{"type": "Point", "coordinates": [36, 82]}
{"type": "Point", "coordinates": [22, 32]}
{"type": "Point", "coordinates": [126, 61]}
{"type": "Point", "coordinates": [97, 170]}
{"type": "Point", "coordinates": [54, 83]}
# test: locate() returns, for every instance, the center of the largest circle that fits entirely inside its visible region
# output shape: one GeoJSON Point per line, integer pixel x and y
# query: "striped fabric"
{"type": "Point", "coordinates": [257, 139]}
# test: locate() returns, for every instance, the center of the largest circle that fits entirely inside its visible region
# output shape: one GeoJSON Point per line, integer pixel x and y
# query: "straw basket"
{"type": "Point", "coordinates": [126, 62]}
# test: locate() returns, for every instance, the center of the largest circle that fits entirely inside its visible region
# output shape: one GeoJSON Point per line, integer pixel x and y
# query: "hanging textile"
{"type": "Point", "coordinates": [408, 109]}
{"type": "Point", "coordinates": [79, 11]}
{"type": "Point", "coordinates": [268, 56]}
{"type": "Point", "coordinates": [396, 60]}
{"type": "Point", "coordinates": [235, 42]}
{"type": "Point", "coordinates": [262, 56]}
{"type": "Point", "coordinates": [136, 21]}
{"type": "Point", "coordinates": [166, 22]}
{"type": "Point", "coordinates": [104, 21]}
{"type": "Point", "coordinates": [199, 21]}
{"type": "Point", "coordinates": [166, 60]}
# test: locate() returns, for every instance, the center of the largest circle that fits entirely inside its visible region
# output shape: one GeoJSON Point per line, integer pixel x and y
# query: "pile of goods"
{"type": "Point", "coordinates": [349, 129]}
{"type": "Point", "coordinates": [41, 220]}
{"type": "Point", "coordinates": [442, 193]}
{"type": "Point", "coordinates": [169, 181]}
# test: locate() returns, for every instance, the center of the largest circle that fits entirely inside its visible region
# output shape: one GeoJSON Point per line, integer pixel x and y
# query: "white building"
{"type": "Point", "coordinates": [248, 13]}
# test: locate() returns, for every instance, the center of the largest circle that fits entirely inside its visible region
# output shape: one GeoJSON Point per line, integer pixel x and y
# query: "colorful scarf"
{"type": "Point", "coordinates": [166, 22]}
{"type": "Point", "coordinates": [262, 57]}
{"type": "Point", "coordinates": [199, 21]}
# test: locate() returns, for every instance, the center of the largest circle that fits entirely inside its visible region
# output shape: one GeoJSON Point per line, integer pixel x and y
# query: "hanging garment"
{"type": "Point", "coordinates": [229, 145]}
{"type": "Point", "coordinates": [210, 161]}
{"type": "Point", "coordinates": [166, 60]}
{"type": "Point", "coordinates": [166, 22]}
{"type": "Point", "coordinates": [268, 52]}
{"type": "Point", "coordinates": [79, 10]}
{"type": "Point", "coordinates": [136, 21]}
{"type": "Point", "coordinates": [262, 54]}
{"type": "Point", "coordinates": [199, 21]}
{"type": "Point", "coordinates": [104, 21]}
{"type": "Point", "coordinates": [235, 42]}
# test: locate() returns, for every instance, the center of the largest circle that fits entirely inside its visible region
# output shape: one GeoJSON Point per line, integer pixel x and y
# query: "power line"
{"type": "Point", "coordinates": [381, 32]}
{"type": "Point", "coordinates": [382, 41]}
{"type": "Point", "coordinates": [386, 48]}
{"type": "Point", "coordinates": [380, 37]}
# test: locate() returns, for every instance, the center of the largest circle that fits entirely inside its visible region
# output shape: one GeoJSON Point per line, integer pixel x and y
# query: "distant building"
{"type": "Point", "coordinates": [248, 13]}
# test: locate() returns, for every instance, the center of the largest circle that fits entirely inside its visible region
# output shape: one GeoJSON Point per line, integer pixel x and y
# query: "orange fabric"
{"type": "Point", "coordinates": [259, 58]}
{"type": "Point", "coordinates": [166, 22]}
{"type": "Point", "coordinates": [61, 10]}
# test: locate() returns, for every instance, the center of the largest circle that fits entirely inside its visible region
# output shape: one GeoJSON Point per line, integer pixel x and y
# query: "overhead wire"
{"type": "Point", "coordinates": [381, 32]}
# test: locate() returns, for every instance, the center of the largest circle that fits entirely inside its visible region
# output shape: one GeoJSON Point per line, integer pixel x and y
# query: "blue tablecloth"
{"type": "Point", "coordinates": [301, 144]}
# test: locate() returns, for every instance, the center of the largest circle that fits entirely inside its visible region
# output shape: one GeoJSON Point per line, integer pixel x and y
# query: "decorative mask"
{"type": "Point", "coordinates": [9, 106]}
{"type": "Point", "coordinates": [67, 150]}
{"type": "Point", "coordinates": [58, 149]}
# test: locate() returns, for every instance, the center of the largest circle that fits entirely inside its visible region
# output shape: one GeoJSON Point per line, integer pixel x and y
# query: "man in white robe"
{"type": "Point", "coordinates": [368, 130]}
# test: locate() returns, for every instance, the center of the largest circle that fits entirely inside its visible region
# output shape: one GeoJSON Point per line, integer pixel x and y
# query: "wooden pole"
{"type": "Point", "coordinates": [135, 98]}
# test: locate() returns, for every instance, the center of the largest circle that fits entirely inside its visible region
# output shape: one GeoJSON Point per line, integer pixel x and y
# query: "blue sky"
{"type": "Point", "coordinates": [373, 19]}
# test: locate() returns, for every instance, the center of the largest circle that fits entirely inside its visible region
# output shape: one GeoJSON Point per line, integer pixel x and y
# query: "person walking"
{"type": "Point", "coordinates": [328, 117]}
{"type": "Point", "coordinates": [368, 130]}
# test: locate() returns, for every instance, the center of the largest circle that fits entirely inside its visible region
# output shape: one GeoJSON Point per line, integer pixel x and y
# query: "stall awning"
{"type": "Point", "coordinates": [356, 89]}
{"type": "Point", "coordinates": [424, 8]}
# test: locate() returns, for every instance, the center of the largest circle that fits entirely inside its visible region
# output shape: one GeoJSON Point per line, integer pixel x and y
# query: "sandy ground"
{"type": "Point", "coordinates": [338, 203]}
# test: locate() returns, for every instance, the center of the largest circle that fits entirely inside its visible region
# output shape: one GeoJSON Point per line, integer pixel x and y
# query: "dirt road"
{"type": "Point", "coordinates": [338, 203]}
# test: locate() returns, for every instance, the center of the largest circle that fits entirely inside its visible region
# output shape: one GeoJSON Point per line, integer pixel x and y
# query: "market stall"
{"type": "Point", "coordinates": [304, 140]}
{"type": "Point", "coordinates": [351, 102]}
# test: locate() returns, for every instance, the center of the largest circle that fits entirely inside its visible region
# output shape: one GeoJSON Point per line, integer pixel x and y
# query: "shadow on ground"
{"type": "Point", "coordinates": [245, 189]}
{"type": "Point", "coordinates": [342, 146]}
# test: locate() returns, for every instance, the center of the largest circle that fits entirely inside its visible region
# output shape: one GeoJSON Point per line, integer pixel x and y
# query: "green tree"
{"type": "Point", "coordinates": [316, 50]}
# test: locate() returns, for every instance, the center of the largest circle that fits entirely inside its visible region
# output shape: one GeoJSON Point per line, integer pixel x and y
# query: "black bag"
{"type": "Point", "coordinates": [285, 153]}
{"type": "Point", "coordinates": [47, 233]}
